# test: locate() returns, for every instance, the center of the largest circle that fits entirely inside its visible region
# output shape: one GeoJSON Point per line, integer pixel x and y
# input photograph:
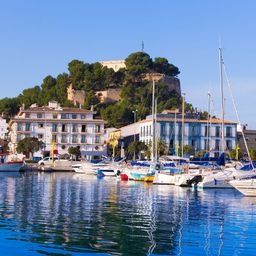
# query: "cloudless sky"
{"type": "Point", "coordinates": [40, 37]}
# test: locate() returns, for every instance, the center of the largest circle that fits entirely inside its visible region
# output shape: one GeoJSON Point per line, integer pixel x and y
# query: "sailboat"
{"type": "Point", "coordinates": [145, 173]}
{"type": "Point", "coordinates": [221, 179]}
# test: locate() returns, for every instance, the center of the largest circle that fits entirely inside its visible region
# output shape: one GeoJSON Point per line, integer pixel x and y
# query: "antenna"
{"type": "Point", "coordinates": [142, 46]}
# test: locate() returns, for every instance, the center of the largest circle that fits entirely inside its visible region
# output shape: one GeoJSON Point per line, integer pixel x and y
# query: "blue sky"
{"type": "Point", "coordinates": [39, 38]}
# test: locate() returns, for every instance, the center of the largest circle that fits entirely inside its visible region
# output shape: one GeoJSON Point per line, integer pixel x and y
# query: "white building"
{"type": "Point", "coordinates": [169, 130]}
{"type": "Point", "coordinates": [3, 128]}
{"type": "Point", "coordinates": [63, 127]}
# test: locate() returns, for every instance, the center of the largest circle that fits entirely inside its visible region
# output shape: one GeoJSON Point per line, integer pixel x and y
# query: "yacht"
{"type": "Point", "coordinates": [246, 186]}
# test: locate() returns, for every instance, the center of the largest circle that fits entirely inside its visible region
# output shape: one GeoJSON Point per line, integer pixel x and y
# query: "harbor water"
{"type": "Point", "coordinates": [75, 214]}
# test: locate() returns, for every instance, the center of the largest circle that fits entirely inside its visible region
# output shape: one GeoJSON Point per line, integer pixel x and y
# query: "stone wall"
{"type": "Point", "coordinates": [76, 96]}
{"type": "Point", "coordinates": [110, 95]}
{"type": "Point", "coordinates": [115, 64]}
{"type": "Point", "coordinates": [173, 83]}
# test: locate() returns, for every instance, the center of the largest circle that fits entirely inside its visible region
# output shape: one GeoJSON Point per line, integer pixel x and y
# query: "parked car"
{"type": "Point", "coordinates": [47, 160]}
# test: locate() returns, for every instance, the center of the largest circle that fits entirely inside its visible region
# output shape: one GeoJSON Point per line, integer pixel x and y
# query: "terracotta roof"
{"type": "Point", "coordinates": [64, 109]}
{"type": "Point", "coordinates": [213, 120]}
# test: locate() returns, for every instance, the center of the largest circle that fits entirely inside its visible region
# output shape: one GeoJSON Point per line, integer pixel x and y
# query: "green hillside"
{"type": "Point", "coordinates": [136, 92]}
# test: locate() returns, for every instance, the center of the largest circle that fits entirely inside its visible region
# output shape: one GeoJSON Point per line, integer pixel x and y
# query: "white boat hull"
{"type": "Point", "coordinates": [246, 187]}
{"type": "Point", "coordinates": [163, 179]}
{"type": "Point", "coordinates": [222, 179]}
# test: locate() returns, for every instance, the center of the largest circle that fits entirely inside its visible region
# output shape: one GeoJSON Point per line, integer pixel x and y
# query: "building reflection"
{"type": "Point", "coordinates": [79, 212]}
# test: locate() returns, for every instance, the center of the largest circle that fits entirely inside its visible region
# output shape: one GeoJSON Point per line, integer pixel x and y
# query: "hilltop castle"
{"type": "Point", "coordinates": [114, 94]}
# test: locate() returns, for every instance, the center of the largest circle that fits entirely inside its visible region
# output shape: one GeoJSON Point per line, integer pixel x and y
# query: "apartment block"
{"type": "Point", "coordinates": [61, 126]}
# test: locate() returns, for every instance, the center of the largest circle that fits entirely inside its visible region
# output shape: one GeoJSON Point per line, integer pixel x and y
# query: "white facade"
{"type": "Point", "coordinates": [63, 127]}
{"type": "Point", "coordinates": [195, 133]}
{"type": "Point", "coordinates": [3, 128]}
{"type": "Point", "coordinates": [130, 130]}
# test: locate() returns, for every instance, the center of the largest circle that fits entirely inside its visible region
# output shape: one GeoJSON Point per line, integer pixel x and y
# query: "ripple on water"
{"type": "Point", "coordinates": [67, 214]}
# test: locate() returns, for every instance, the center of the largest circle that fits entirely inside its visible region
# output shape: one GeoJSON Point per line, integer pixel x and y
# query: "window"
{"type": "Point", "coordinates": [27, 136]}
{"type": "Point", "coordinates": [54, 138]}
{"type": "Point", "coordinates": [40, 125]}
{"type": "Point", "coordinates": [83, 128]}
{"type": "Point", "coordinates": [74, 139]}
{"type": "Point", "coordinates": [206, 131]}
{"type": "Point", "coordinates": [27, 115]}
{"type": "Point", "coordinates": [205, 144]}
{"type": "Point", "coordinates": [171, 143]}
{"type": "Point", "coordinates": [83, 139]}
{"type": "Point", "coordinates": [217, 144]}
{"type": "Point", "coordinates": [150, 132]}
{"type": "Point", "coordinates": [82, 116]}
{"type": "Point", "coordinates": [228, 131]}
{"type": "Point", "coordinates": [179, 130]}
{"type": "Point", "coordinates": [229, 144]}
{"type": "Point", "coordinates": [54, 128]}
{"type": "Point", "coordinates": [63, 128]}
{"type": "Point", "coordinates": [63, 138]}
{"type": "Point", "coordinates": [97, 139]}
{"type": "Point", "coordinates": [64, 116]}
{"type": "Point", "coordinates": [217, 131]}
{"type": "Point", "coordinates": [54, 116]}
{"type": "Point", "coordinates": [27, 127]}
{"type": "Point", "coordinates": [162, 130]}
{"type": "Point", "coordinates": [74, 128]}
{"type": "Point", "coordinates": [39, 115]}
{"type": "Point", "coordinates": [191, 130]}
{"type": "Point", "coordinates": [19, 127]}
{"type": "Point", "coordinates": [97, 128]}
{"type": "Point", "coordinates": [74, 116]}
{"type": "Point", "coordinates": [40, 136]}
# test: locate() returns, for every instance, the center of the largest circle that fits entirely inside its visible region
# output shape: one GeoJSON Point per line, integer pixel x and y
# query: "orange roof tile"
{"type": "Point", "coordinates": [213, 120]}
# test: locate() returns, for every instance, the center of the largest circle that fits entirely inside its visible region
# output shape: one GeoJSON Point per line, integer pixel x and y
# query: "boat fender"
{"type": "Point", "coordinates": [118, 172]}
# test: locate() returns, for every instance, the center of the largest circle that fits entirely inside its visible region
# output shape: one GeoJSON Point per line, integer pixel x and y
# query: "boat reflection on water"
{"type": "Point", "coordinates": [73, 214]}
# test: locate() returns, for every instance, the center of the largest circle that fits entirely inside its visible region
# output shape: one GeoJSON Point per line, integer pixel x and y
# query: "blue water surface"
{"type": "Point", "coordinates": [76, 214]}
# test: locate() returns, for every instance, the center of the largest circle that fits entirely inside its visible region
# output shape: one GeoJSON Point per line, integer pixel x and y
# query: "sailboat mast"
{"type": "Point", "coordinates": [222, 101]}
{"type": "Point", "coordinates": [156, 133]}
{"type": "Point", "coordinates": [208, 123]}
{"type": "Point", "coordinates": [153, 121]}
{"type": "Point", "coordinates": [175, 138]}
{"type": "Point", "coordinates": [183, 128]}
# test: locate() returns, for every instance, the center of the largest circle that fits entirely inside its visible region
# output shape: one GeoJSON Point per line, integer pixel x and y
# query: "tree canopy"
{"type": "Point", "coordinates": [75, 151]}
{"type": "Point", "coordinates": [29, 145]}
{"type": "Point", "coordinates": [136, 91]}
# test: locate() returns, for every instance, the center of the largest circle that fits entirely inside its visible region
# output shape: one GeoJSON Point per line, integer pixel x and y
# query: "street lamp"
{"type": "Point", "coordinates": [134, 136]}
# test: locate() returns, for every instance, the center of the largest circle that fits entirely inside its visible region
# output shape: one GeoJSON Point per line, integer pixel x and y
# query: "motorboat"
{"type": "Point", "coordinates": [246, 186]}
{"type": "Point", "coordinates": [222, 178]}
